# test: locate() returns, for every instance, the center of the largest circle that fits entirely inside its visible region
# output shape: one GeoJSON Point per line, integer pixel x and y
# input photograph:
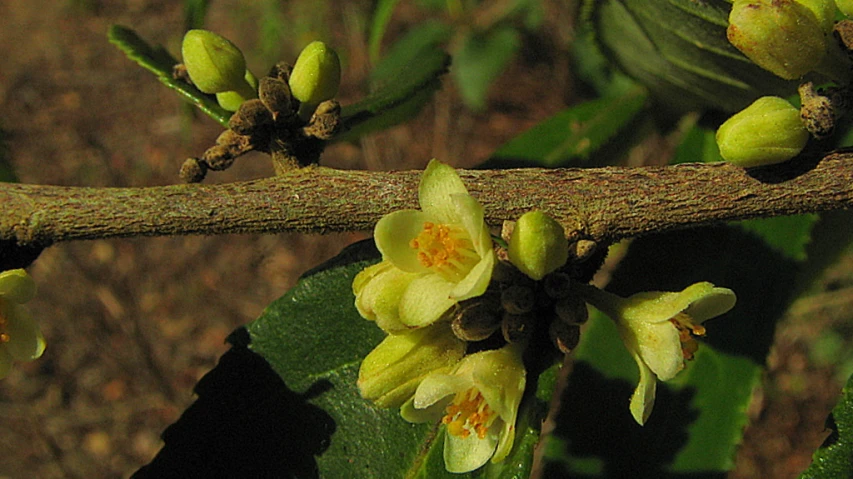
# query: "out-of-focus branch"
{"type": "Point", "coordinates": [602, 204]}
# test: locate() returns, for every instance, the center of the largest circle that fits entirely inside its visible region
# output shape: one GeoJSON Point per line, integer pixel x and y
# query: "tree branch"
{"type": "Point", "coordinates": [602, 204]}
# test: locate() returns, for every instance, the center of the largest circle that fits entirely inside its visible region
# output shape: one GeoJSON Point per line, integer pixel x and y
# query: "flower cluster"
{"type": "Point", "coordinates": [460, 313]}
{"type": "Point", "coordinates": [20, 337]}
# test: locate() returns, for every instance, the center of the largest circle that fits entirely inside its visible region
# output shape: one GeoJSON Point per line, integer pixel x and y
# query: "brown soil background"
{"type": "Point", "coordinates": [133, 324]}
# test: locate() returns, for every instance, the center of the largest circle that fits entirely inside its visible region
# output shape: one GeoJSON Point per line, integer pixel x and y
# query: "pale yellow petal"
{"type": "Point", "coordinates": [465, 455]}
{"type": "Point", "coordinates": [659, 345]}
{"type": "Point", "coordinates": [393, 235]}
{"type": "Point", "coordinates": [426, 298]}
{"type": "Point", "coordinates": [477, 280]}
{"type": "Point", "coordinates": [643, 399]}
{"type": "Point", "coordinates": [17, 286]}
{"type": "Point", "coordinates": [438, 183]}
{"type": "Point", "coordinates": [716, 302]}
{"type": "Point", "coordinates": [26, 342]}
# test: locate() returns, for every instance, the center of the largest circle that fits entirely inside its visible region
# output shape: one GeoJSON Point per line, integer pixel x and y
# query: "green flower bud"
{"type": "Point", "coordinates": [316, 76]}
{"type": "Point", "coordinates": [781, 36]}
{"type": "Point", "coordinates": [768, 131]}
{"type": "Point", "coordinates": [538, 245]}
{"type": "Point", "coordinates": [391, 373]}
{"type": "Point", "coordinates": [846, 7]}
{"type": "Point", "coordinates": [231, 100]}
{"type": "Point", "coordinates": [213, 63]}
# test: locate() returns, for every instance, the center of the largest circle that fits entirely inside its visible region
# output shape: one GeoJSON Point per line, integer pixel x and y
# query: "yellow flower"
{"type": "Point", "coordinates": [20, 337]}
{"type": "Point", "coordinates": [657, 329]}
{"type": "Point", "coordinates": [432, 258]}
{"type": "Point", "coordinates": [478, 402]}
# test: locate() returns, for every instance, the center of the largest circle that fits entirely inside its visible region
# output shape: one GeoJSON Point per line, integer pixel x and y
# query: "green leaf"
{"type": "Point", "coordinates": [788, 235]}
{"type": "Point", "coordinates": [159, 62]}
{"type": "Point", "coordinates": [401, 84]}
{"type": "Point", "coordinates": [834, 459]}
{"type": "Point", "coordinates": [679, 50]}
{"type": "Point", "coordinates": [314, 338]}
{"type": "Point", "coordinates": [480, 60]}
{"type": "Point", "coordinates": [381, 15]}
{"type": "Point", "coordinates": [571, 136]}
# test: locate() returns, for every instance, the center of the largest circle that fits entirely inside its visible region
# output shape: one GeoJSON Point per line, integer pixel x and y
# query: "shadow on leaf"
{"type": "Point", "coordinates": [245, 423]}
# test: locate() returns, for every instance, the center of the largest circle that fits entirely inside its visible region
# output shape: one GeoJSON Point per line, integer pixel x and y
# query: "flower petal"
{"type": "Point", "coordinates": [436, 387]}
{"type": "Point", "coordinates": [438, 183]}
{"type": "Point", "coordinates": [465, 455]}
{"type": "Point", "coordinates": [714, 303]}
{"type": "Point", "coordinates": [425, 300]}
{"type": "Point", "coordinates": [433, 413]}
{"type": "Point", "coordinates": [394, 232]}
{"type": "Point", "coordinates": [27, 342]}
{"type": "Point", "coordinates": [476, 281]}
{"type": "Point", "coordinates": [643, 399]}
{"type": "Point", "coordinates": [471, 216]}
{"type": "Point", "coordinates": [659, 345]}
{"type": "Point", "coordinates": [378, 291]}
{"type": "Point", "coordinates": [16, 285]}
{"type": "Point", "coordinates": [507, 438]}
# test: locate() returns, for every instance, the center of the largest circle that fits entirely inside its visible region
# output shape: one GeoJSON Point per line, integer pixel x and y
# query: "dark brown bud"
{"type": "Point", "coordinates": [251, 115]}
{"type": "Point", "coordinates": [281, 70]}
{"type": "Point", "coordinates": [517, 327]}
{"type": "Point", "coordinates": [218, 157]}
{"type": "Point", "coordinates": [565, 336]}
{"type": "Point", "coordinates": [557, 285]}
{"type": "Point", "coordinates": [517, 299]}
{"type": "Point", "coordinates": [819, 111]}
{"type": "Point", "coordinates": [193, 170]}
{"type": "Point", "coordinates": [275, 95]}
{"type": "Point", "coordinates": [572, 310]}
{"type": "Point", "coordinates": [475, 320]}
{"type": "Point", "coordinates": [326, 121]}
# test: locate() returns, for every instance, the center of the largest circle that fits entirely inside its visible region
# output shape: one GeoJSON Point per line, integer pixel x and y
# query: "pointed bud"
{"type": "Point", "coordinates": [781, 36]}
{"type": "Point", "coordinates": [213, 62]}
{"type": "Point", "coordinates": [315, 77]}
{"type": "Point", "coordinates": [768, 131]}
{"type": "Point", "coordinates": [538, 245]}
{"type": "Point", "coordinates": [390, 374]}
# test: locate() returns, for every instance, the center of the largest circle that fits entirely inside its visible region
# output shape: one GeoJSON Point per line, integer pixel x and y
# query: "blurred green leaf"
{"type": "Point", "coordinates": [679, 50]}
{"type": "Point", "coordinates": [381, 15]}
{"type": "Point", "coordinates": [699, 145]}
{"type": "Point", "coordinates": [834, 459]}
{"type": "Point", "coordinates": [195, 12]}
{"type": "Point", "coordinates": [159, 62]}
{"type": "Point", "coordinates": [790, 235]}
{"type": "Point", "coordinates": [480, 60]}
{"type": "Point", "coordinates": [401, 84]}
{"type": "Point", "coordinates": [571, 136]}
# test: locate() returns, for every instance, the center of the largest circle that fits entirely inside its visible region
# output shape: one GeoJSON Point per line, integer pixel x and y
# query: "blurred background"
{"type": "Point", "coordinates": [132, 324]}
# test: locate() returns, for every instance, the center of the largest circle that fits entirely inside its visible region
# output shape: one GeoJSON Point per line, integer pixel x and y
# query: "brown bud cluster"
{"type": "Point", "coordinates": [270, 124]}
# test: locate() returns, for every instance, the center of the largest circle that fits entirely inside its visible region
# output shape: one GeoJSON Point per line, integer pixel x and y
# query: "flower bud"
{"type": "Point", "coordinates": [538, 245]}
{"type": "Point", "coordinates": [391, 373]}
{"type": "Point", "coordinates": [315, 77]}
{"type": "Point", "coordinates": [768, 131]}
{"type": "Point", "coordinates": [213, 62]}
{"type": "Point", "coordinates": [781, 36]}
